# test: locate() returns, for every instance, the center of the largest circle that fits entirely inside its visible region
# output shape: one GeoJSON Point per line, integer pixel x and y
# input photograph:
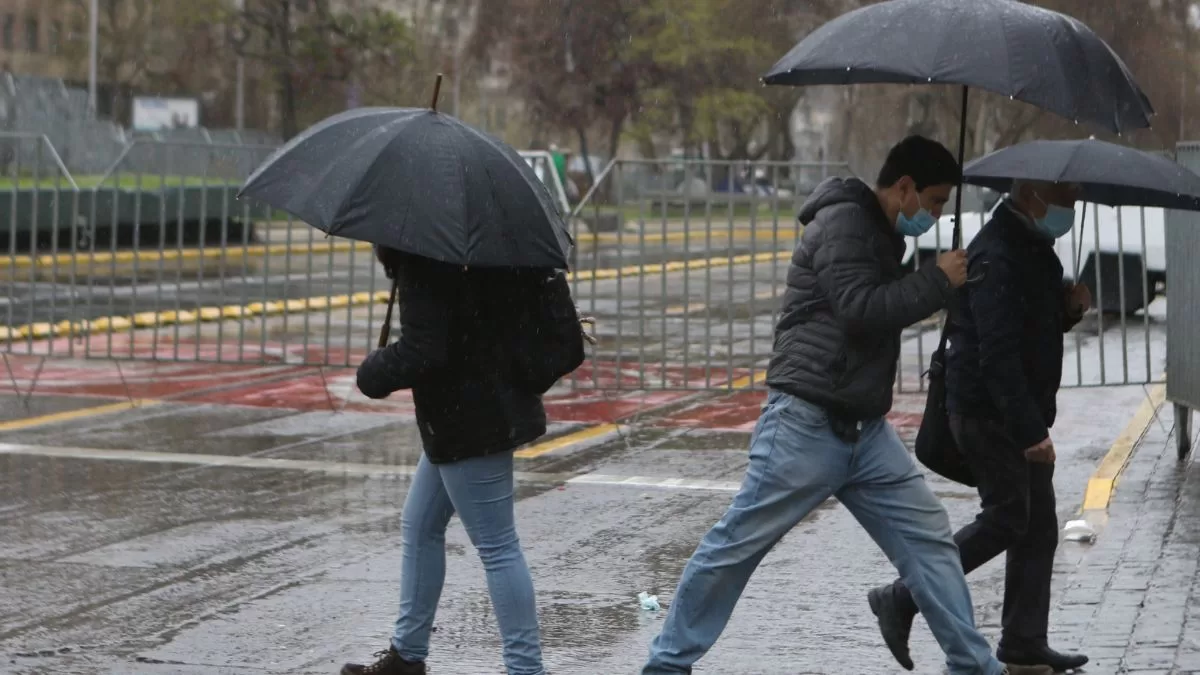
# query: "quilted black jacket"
{"type": "Point", "coordinates": [847, 300]}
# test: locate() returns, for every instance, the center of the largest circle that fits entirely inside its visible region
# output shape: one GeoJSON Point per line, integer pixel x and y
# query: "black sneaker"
{"type": "Point", "coordinates": [389, 663]}
{"type": "Point", "coordinates": [895, 622]}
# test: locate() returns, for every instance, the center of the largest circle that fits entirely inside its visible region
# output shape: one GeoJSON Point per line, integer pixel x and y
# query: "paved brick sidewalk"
{"type": "Point", "coordinates": [1131, 600]}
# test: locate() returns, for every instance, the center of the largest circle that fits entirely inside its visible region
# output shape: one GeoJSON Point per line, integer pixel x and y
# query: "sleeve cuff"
{"type": "Point", "coordinates": [371, 376]}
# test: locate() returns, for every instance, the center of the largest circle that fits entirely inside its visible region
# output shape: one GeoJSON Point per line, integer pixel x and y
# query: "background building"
{"type": "Point", "coordinates": [34, 34]}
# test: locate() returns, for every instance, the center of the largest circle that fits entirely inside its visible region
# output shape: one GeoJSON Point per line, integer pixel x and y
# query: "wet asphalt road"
{"type": "Point", "coordinates": [119, 566]}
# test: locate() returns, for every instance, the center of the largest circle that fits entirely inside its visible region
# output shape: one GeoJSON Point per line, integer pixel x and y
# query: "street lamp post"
{"type": "Point", "coordinates": [240, 102]}
{"type": "Point", "coordinates": [93, 54]}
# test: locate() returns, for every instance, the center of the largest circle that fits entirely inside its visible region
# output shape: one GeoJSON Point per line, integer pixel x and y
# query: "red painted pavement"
{"type": "Point", "coordinates": [740, 411]}
{"type": "Point", "coordinates": [295, 387]}
{"type": "Point", "coordinates": [310, 388]}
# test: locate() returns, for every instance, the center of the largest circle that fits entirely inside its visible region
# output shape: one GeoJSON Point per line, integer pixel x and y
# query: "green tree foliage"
{"type": "Point", "coordinates": [705, 59]}
{"type": "Point", "coordinates": [570, 61]}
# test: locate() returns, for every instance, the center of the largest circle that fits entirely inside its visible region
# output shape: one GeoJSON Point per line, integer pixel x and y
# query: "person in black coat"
{"type": "Point", "coordinates": [1003, 366]}
{"type": "Point", "coordinates": [471, 416]}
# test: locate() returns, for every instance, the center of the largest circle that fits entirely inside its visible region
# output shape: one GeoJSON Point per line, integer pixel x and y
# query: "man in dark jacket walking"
{"type": "Point", "coordinates": [1003, 367]}
{"type": "Point", "coordinates": [822, 432]}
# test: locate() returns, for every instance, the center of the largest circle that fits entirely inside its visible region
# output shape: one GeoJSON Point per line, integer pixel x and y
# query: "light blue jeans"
{"type": "Point", "coordinates": [480, 490]}
{"type": "Point", "coordinates": [796, 463]}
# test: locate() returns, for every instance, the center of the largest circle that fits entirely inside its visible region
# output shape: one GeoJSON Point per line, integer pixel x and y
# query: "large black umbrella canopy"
{"type": "Point", "coordinates": [1031, 54]}
{"type": "Point", "coordinates": [1108, 174]}
{"type": "Point", "coordinates": [417, 181]}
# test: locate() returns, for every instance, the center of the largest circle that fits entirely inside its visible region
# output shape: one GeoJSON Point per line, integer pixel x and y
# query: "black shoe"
{"type": "Point", "coordinates": [389, 663]}
{"type": "Point", "coordinates": [895, 622]}
{"type": "Point", "coordinates": [1041, 655]}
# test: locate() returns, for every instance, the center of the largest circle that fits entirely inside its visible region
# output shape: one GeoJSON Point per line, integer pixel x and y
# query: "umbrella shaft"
{"type": "Point", "coordinates": [962, 151]}
{"type": "Point", "coordinates": [386, 329]}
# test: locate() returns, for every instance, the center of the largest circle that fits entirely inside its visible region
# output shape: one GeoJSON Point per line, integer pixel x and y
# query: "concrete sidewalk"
{"type": "Point", "coordinates": [1131, 600]}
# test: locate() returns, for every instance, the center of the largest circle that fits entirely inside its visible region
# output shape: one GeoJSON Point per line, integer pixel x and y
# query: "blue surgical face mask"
{"type": "Point", "coordinates": [918, 224]}
{"type": "Point", "coordinates": [1058, 220]}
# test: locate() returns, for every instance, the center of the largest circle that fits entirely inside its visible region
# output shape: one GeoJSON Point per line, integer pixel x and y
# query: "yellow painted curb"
{"type": "Point", "coordinates": [787, 234]}
{"type": "Point", "coordinates": [1104, 479]}
{"type": "Point", "coordinates": [83, 260]}
{"type": "Point", "coordinates": [116, 324]}
{"type": "Point", "coordinates": [68, 415]}
{"type": "Point", "coordinates": [749, 381]}
{"type": "Point", "coordinates": [697, 307]}
{"type": "Point", "coordinates": [567, 440]}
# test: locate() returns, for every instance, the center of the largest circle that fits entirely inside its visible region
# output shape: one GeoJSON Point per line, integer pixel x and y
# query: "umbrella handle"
{"type": "Point", "coordinates": [386, 329]}
{"type": "Point", "coordinates": [437, 89]}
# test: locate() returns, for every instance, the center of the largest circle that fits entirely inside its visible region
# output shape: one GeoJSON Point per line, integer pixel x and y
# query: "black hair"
{"type": "Point", "coordinates": [926, 161]}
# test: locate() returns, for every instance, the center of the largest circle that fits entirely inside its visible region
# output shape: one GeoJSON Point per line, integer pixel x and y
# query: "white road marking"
{"type": "Point", "coordinates": [650, 482]}
{"type": "Point", "coordinates": [348, 468]}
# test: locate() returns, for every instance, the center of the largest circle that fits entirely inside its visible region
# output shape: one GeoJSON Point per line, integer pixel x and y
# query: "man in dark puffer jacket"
{"type": "Point", "coordinates": [822, 432]}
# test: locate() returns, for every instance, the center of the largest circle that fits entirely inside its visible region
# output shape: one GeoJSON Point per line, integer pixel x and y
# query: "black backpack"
{"type": "Point", "coordinates": [545, 338]}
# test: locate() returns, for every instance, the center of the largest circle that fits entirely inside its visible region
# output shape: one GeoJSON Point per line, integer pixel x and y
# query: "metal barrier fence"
{"type": "Point", "coordinates": [155, 258]}
{"type": "Point", "coordinates": [682, 262]}
{"type": "Point", "coordinates": [698, 308]}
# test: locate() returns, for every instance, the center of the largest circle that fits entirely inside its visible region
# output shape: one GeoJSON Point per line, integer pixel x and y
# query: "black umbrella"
{"type": "Point", "coordinates": [417, 181]}
{"type": "Point", "coordinates": [1108, 174]}
{"type": "Point", "coordinates": [1028, 53]}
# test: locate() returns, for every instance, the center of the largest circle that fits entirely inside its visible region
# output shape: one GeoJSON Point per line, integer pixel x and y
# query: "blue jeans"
{"type": "Point", "coordinates": [796, 463]}
{"type": "Point", "coordinates": [480, 490]}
